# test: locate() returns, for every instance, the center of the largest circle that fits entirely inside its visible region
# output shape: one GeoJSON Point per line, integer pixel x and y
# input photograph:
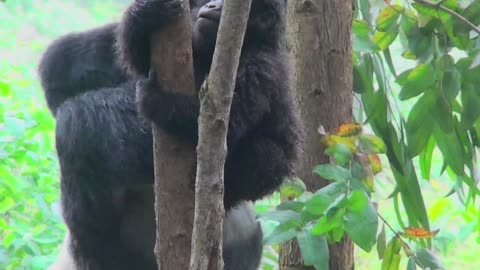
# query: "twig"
{"type": "Point", "coordinates": [449, 11]}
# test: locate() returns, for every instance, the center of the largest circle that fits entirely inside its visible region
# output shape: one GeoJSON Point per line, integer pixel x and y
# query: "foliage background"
{"type": "Point", "coordinates": [30, 223]}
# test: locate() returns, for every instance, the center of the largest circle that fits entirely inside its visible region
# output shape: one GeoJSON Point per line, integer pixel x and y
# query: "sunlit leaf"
{"type": "Point", "coordinates": [391, 258]}
{"type": "Point", "coordinates": [388, 17]}
{"type": "Point", "coordinates": [384, 39]}
{"type": "Point", "coordinates": [419, 79]}
{"type": "Point", "coordinates": [292, 189]}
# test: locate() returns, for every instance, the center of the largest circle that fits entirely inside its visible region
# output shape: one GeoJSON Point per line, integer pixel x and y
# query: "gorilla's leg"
{"type": "Point", "coordinates": [242, 239]}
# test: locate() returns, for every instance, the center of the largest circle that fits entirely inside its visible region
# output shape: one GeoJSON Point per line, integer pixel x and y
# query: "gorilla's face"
{"type": "Point", "coordinates": [264, 25]}
{"type": "Point", "coordinates": [206, 20]}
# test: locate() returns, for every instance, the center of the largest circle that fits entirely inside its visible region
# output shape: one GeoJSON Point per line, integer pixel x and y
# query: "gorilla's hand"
{"type": "Point", "coordinates": [177, 114]}
{"type": "Point", "coordinates": [155, 13]}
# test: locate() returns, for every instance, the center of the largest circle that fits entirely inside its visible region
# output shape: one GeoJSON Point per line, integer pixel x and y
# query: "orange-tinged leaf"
{"type": "Point", "coordinates": [349, 130]}
{"type": "Point", "coordinates": [369, 182]}
{"type": "Point", "coordinates": [420, 232]}
{"type": "Point", "coordinates": [369, 144]}
{"type": "Point", "coordinates": [330, 140]}
{"type": "Point", "coordinates": [375, 162]}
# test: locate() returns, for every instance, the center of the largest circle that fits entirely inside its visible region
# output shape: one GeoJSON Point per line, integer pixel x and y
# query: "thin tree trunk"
{"type": "Point", "coordinates": [174, 161]}
{"type": "Point", "coordinates": [216, 98]}
{"type": "Point", "coordinates": [319, 33]}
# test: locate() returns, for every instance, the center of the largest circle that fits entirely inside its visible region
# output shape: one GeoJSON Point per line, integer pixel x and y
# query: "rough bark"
{"type": "Point", "coordinates": [319, 34]}
{"type": "Point", "coordinates": [174, 160]}
{"type": "Point", "coordinates": [216, 98]}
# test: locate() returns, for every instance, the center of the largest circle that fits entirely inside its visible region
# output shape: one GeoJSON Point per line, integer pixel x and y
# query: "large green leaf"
{"type": "Point", "coordinates": [388, 18]}
{"type": "Point", "coordinates": [428, 259]}
{"type": "Point", "coordinates": [420, 124]}
{"type": "Point", "coordinates": [361, 220]}
{"type": "Point", "coordinates": [314, 250]}
{"type": "Point", "coordinates": [421, 78]}
{"type": "Point", "coordinates": [471, 105]}
{"type": "Point", "coordinates": [332, 172]}
{"type": "Point", "coordinates": [384, 39]}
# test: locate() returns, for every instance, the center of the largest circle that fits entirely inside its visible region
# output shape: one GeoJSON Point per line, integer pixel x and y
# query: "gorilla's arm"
{"type": "Point", "coordinates": [263, 133]}
{"type": "Point", "coordinates": [79, 62]}
{"type": "Point", "coordinates": [139, 21]}
{"type": "Point", "coordinates": [178, 114]}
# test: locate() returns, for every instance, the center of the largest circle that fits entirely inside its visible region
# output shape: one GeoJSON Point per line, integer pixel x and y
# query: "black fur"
{"type": "Point", "coordinates": [105, 146]}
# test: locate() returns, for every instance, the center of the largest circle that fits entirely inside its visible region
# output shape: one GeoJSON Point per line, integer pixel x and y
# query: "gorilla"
{"type": "Point", "coordinates": [98, 86]}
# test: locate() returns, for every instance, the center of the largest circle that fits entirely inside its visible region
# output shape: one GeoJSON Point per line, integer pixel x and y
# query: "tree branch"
{"type": "Point", "coordinates": [171, 58]}
{"type": "Point", "coordinates": [449, 11]}
{"type": "Point", "coordinates": [216, 98]}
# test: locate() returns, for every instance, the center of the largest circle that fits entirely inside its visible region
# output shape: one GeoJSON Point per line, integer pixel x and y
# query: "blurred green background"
{"type": "Point", "coordinates": [30, 223]}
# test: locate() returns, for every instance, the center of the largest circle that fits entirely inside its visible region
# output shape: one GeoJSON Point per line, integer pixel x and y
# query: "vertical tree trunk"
{"type": "Point", "coordinates": [174, 161]}
{"type": "Point", "coordinates": [216, 99]}
{"type": "Point", "coordinates": [319, 33]}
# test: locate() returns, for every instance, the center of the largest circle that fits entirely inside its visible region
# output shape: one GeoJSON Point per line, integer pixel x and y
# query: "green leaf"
{"type": "Point", "coordinates": [5, 89]}
{"type": "Point", "coordinates": [451, 84]}
{"type": "Point", "coordinates": [419, 79]}
{"type": "Point", "coordinates": [384, 39]}
{"type": "Point", "coordinates": [420, 125]}
{"type": "Point", "coordinates": [279, 235]}
{"type": "Point", "coordinates": [388, 18]}
{"type": "Point", "coordinates": [381, 243]}
{"type": "Point", "coordinates": [361, 37]}
{"type": "Point", "coordinates": [418, 41]}
{"type": "Point", "coordinates": [295, 206]}
{"type": "Point", "coordinates": [391, 259]}
{"type": "Point", "coordinates": [340, 153]}
{"type": "Point", "coordinates": [292, 189]}
{"type": "Point", "coordinates": [361, 220]}
{"type": "Point", "coordinates": [369, 144]}
{"type": "Point", "coordinates": [328, 222]}
{"type": "Point", "coordinates": [6, 204]}
{"type": "Point", "coordinates": [452, 150]}
{"type": "Point", "coordinates": [363, 75]}
{"type": "Point", "coordinates": [425, 159]}
{"type": "Point", "coordinates": [472, 12]}
{"type": "Point", "coordinates": [283, 216]}
{"type": "Point", "coordinates": [428, 259]}
{"type": "Point", "coordinates": [361, 28]}
{"type": "Point", "coordinates": [332, 172]}
{"type": "Point", "coordinates": [411, 263]}
{"type": "Point", "coordinates": [314, 250]}
{"type": "Point", "coordinates": [335, 235]}
{"type": "Point", "coordinates": [430, 11]}
{"type": "Point", "coordinates": [333, 190]}
{"type": "Point", "coordinates": [470, 100]}
{"type": "Point", "coordinates": [318, 203]}
{"type": "Point", "coordinates": [388, 58]}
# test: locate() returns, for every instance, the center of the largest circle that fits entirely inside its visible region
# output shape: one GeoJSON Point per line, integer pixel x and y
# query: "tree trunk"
{"type": "Point", "coordinates": [216, 98]}
{"type": "Point", "coordinates": [320, 40]}
{"type": "Point", "coordinates": [174, 161]}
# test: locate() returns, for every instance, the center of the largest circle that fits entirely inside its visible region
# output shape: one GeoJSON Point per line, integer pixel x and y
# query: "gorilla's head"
{"type": "Point", "coordinates": [265, 24]}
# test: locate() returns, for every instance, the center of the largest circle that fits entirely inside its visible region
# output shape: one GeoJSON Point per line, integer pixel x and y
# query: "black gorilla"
{"type": "Point", "coordinates": [104, 144]}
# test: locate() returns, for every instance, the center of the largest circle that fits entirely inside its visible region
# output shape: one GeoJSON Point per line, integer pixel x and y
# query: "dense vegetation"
{"type": "Point", "coordinates": [404, 56]}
